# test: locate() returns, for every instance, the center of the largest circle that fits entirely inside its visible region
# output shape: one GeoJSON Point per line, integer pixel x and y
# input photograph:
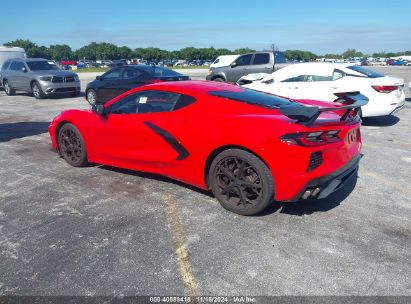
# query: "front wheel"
{"type": "Point", "coordinates": [241, 182]}
{"type": "Point", "coordinates": [91, 96]}
{"type": "Point", "coordinates": [37, 91]}
{"type": "Point", "coordinates": [8, 89]}
{"type": "Point", "coordinates": [72, 146]}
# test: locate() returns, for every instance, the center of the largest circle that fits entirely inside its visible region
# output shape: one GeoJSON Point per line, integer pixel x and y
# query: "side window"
{"type": "Point", "coordinates": [261, 58]}
{"type": "Point", "coordinates": [151, 102]}
{"type": "Point", "coordinates": [295, 79]}
{"type": "Point", "coordinates": [337, 74]}
{"type": "Point", "coordinates": [17, 66]}
{"type": "Point", "coordinates": [308, 78]}
{"type": "Point", "coordinates": [6, 65]}
{"type": "Point", "coordinates": [14, 66]}
{"type": "Point", "coordinates": [131, 73]}
{"type": "Point", "coordinates": [244, 59]}
{"type": "Point", "coordinates": [112, 74]}
{"type": "Point", "coordinates": [318, 78]}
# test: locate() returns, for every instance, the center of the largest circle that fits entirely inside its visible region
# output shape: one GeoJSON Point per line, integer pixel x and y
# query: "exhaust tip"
{"type": "Point", "coordinates": [316, 191]}
{"type": "Point", "coordinates": [306, 194]}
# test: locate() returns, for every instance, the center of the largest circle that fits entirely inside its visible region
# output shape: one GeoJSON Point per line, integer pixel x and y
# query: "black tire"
{"type": "Point", "coordinates": [36, 90]}
{"type": "Point", "coordinates": [71, 145]}
{"type": "Point", "coordinates": [241, 182]}
{"type": "Point", "coordinates": [8, 89]}
{"type": "Point", "coordinates": [91, 96]}
{"type": "Point", "coordinates": [218, 79]}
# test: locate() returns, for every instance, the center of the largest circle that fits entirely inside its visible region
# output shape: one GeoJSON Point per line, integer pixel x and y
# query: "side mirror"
{"type": "Point", "coordinates": [234, 64]}
{"type": "Point", "coordinates": [98, 77]}
{"type": "Point", "coordinates": [24, 69]}
{"type": "Point", "coordinates": [98, 108]}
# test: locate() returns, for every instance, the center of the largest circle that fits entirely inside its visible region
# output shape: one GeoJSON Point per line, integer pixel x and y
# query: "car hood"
{"type": "Point", "coordinates": [54, 73]}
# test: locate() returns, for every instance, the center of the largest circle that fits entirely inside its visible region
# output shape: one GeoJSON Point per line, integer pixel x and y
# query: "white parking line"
{"type": "Point", "coordinates": [180, 240]}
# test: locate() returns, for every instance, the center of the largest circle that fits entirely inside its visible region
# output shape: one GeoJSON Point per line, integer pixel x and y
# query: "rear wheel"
{"type": "Point", "coordinates": [91, 96]}
{"type": "Point", "coordinates": [8, 89]}
{"type": "Point", "coordinates": [241, 182]}
{"type": "Point", "coordinates": [71, 145]}
{"type": "Point", "coordinates": [37, 91]}
{"type": "Point", "coordinates": [218, 79]}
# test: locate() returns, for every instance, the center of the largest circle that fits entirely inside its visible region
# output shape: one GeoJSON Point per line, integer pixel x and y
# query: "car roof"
{"type": "Point", "coordinates": [197, 86]}
{"type": "Point", "coordinates": [29, 59]}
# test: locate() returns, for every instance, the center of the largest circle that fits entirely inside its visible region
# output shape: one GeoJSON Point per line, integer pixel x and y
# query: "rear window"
{"type": "Point", "coordinates": [254, 98]}
{"type": "Point", "coordinates": [159, 71]}
{"type": "Point", "coordinates": [365, 72]}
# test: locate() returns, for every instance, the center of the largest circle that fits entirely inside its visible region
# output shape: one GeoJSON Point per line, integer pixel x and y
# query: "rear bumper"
{"type": "Point", "coordinates": [397, 109]}
{"type": "Point", "coordinates": [383, 104]}
{"type": "Point", "coordinates": [322, 187]}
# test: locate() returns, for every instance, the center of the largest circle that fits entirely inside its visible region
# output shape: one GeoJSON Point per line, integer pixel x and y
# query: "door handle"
{"type": "Point", "coordinates": [335, 88]}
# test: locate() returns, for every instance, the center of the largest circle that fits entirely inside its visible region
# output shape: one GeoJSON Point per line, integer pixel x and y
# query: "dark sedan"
{"type": "Point", "coordinates": [121, 79]}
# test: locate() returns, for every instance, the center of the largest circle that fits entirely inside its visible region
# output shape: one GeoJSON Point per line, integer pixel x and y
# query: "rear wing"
{"type": "Point", "coordinates": [308, 115]}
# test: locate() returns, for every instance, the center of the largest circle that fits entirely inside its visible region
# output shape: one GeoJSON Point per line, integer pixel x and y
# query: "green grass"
{"type": "Point", "coordinates": [102, 70]}
{"type": "Point", "coordinates": [192, 67]}
{"type": "Point", "coordinates": [88, 70]}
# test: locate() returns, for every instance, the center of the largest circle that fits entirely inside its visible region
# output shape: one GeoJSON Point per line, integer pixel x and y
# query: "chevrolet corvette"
{"type": "Point", "coordinates": [249, 148]}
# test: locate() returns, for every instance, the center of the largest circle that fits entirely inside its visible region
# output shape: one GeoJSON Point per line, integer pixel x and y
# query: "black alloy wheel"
{"type": "Point", "coordinates": [241, 182]}
{"type": "Point", "coordinates": [71, 145]}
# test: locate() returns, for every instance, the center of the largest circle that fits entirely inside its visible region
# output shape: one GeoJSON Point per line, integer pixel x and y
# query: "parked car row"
{"type": "Point", "coordinates": [68, 64]}
{"type": "Point", "coordinates": [212, 134]}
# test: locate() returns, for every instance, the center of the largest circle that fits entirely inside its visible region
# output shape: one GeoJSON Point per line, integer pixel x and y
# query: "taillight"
{"type": "Point", "coordinates": [312, 139]}
{"type": "Point", "coordinates": [385, 88]}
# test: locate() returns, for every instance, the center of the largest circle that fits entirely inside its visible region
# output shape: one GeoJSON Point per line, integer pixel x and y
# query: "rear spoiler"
{"type": "Point", "coordinates": [308, 115]}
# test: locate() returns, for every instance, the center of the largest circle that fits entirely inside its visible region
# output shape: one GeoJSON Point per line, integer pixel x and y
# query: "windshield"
{"type": "Point", "coordinates": [365, 71]}
{"type": "Point", "coordinates": [41, 66]}
{"type": "Point", "coordinates": [159, 71]}
{"type": "Point", "coordinates": [254, 98]}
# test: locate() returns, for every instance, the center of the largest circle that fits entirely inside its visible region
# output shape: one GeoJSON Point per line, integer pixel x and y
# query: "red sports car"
{"type": "Point", "coordinates": [249, 148]}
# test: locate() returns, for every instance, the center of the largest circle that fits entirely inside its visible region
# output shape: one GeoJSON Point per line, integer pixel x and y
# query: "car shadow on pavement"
{"type": "Point", "coordinates": [156, 177]}
{"type": "Point", "coordinates": [306, 207]}
{"type": "Point", "coordinates": [62, 96]}
{"type": "Point", "coordinates": [380, 121]}
{"type": "Point", "coordinates": [13, 130]}
{"type": "Point", "coordinates": [300, 208]}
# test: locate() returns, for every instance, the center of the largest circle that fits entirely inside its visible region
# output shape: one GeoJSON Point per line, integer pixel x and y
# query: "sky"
{"type": "Point", "coordinates": [318, 26]}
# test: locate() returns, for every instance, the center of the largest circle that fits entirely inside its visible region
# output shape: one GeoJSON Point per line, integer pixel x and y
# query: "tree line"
{"type": "Point", "coordinates": [109, 51]}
